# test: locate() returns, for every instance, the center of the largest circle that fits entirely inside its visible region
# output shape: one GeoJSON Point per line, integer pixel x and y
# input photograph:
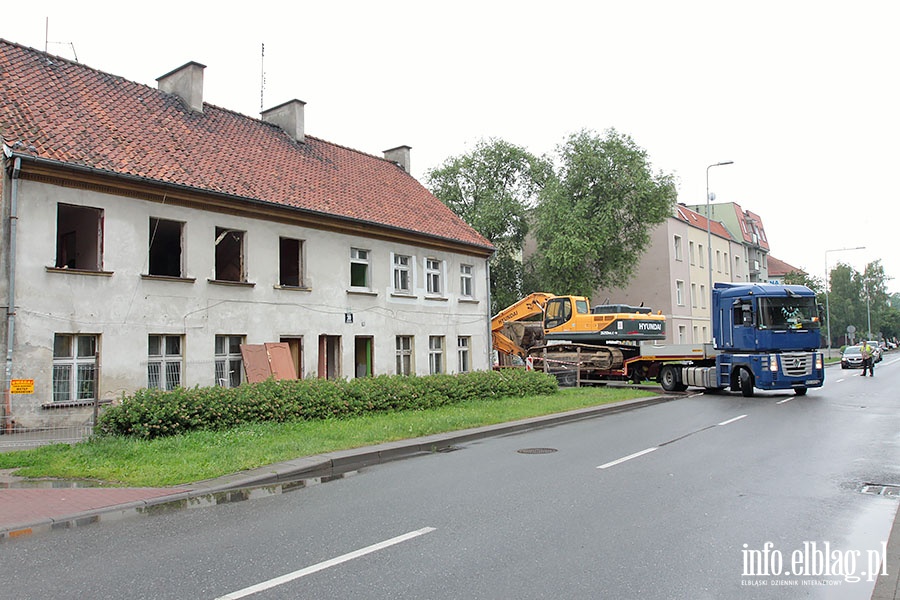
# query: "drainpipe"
{"type": "Point", "coordinates": [490, 314]}
{"type": "Point", "coordinates": [11, 308]}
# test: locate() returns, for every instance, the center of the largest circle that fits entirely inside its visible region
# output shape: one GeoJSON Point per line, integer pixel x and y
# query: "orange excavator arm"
{"type": "Point", "coordinates": [530, 305]}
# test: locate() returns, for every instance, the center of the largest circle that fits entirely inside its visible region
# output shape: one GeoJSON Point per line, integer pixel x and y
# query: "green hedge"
{"type": "Point", "coordinates": [155, 413]}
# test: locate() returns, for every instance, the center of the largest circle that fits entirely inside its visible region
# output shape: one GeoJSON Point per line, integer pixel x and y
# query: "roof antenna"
{"type": "Point", "coordinates": [262, 76]}
{"type": "Point", "coordinates": [47, 43]}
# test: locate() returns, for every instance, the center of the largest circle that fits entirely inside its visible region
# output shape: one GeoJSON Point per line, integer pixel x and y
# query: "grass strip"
{"type": "Point", "coordinates": [203, 455]}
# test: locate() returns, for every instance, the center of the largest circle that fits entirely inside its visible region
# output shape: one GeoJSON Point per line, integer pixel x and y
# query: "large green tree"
{"type": "Point", "coordinates": [594, 219]}
{"type": "Point", "coordinates": [859, 299]}
{"type": "Point", "coordinates": [492, 188]}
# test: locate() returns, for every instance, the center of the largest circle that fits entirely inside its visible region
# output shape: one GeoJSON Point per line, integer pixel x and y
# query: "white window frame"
{"type": "Point", "coordinates": [679, 255]}
{"type": "Point", "coordinates": [404, 355]}
{"type": "Point", "coordinates": [679, 292]}
{"type": "Point", "coordinates": [692, 251]}
{"type": "Point", "coordinates": [435, 354]}
{"type": "Point", "coordinates": [361, 256]}
{"type": "Point", "coordinates": [75, 373]}
{"type": "Point", "coordinates": [434, 277]}
{"type": "Point", "coordinates": [463, 351]}
{"type": "Point", "coordinates": [227, 357]}
{"type": "Point", "coordinates": [700, 256]}
{"type": "Point", "coordinates": [466, 281]}
{"type": "Point", "coordinates": [164, 367]}
{"type": "Point", "coordinates": [694, 295]}
{"type": "Point", "coordinates": [702, 296]}
{"type": "Point", "coordinates": [402, 269]}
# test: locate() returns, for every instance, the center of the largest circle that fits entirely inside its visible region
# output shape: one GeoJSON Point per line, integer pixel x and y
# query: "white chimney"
{"type": "Point", "coordinates": [186, 82]}
{"type": "Point", "coordinates": [399, 155]}
{"type": "Point", "coordinates": [288, 116]}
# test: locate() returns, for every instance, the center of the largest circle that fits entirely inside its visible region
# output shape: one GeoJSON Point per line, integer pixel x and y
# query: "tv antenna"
{"type": "Point", "coordinates": [47, 43]}
{"type": "Point", "coordinates": [262, 77]}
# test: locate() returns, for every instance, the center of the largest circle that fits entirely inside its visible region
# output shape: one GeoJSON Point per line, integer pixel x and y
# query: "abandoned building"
{"type": "Point", "coordinates": [148, 236]}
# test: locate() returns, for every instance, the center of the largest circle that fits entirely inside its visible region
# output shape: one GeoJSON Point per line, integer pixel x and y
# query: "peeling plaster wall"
{"type": "Point", "coordinates": [124, 309]}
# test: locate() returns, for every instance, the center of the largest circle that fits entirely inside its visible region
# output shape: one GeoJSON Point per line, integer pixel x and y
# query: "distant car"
{"type": "Point", "coordinates": [877, 350]}
{"type": "Point", "coordinates": [852, 358]}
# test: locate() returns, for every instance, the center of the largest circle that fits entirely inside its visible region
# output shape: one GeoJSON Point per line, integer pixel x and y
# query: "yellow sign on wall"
{"type": "Point", "coordinates": [21, 386]}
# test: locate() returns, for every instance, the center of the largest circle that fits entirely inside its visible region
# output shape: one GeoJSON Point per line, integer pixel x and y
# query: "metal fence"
{"type": "Point", "coordinates": [52, 430]}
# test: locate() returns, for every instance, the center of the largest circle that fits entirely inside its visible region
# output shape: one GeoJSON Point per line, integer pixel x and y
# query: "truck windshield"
{"type": "Point", "coordinates": [788, 313]}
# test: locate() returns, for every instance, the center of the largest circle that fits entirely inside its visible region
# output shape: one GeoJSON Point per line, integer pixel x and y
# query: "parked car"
{"type": "Point", "coordinates": [852, 358]}
{"type": "Point", "coordinates": [877, 350]}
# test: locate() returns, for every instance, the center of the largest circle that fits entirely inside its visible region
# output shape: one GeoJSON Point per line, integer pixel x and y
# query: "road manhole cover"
{"type": "Point", "coordinates": [536, 450]}
{"type": "Point", "coordinates": [881, 489]}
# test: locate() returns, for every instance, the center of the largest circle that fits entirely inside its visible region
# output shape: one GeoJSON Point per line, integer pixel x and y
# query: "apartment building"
{"type": "Point", "coordinates": [150, 236]}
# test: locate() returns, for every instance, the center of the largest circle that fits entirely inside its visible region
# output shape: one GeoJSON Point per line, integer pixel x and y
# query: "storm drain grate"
{"type": "Point", "coordinates": [881, 489]}
{"type": "Point", "coordinates": [536, 450]}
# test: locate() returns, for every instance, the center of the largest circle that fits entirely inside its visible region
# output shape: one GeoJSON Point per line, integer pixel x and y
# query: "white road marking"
{"type": "Point", "coordinates": [785, 400]}
{"type": "Point", "coordinates": [729, 421]}
{"type": "Point", "coordinates": [629, 457]}
{"type": "Point", "coordinates": [266, 585]}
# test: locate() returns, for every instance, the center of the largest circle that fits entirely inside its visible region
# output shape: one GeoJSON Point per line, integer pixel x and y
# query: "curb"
{"type": "Point", "coordinates": [302, 472]}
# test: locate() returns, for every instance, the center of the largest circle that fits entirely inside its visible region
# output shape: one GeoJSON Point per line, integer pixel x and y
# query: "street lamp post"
{"type": "Point", "coordinates": [709, 235]}
{"type": "Point", "coordinates": [827, 284]}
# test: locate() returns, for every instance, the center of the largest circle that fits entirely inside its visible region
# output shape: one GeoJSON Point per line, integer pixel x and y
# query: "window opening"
{"type": "Point", "coordinates": [165, 248]}
{"type": "Point", "coordinates": [402, 277]}
{"type": "Point", "coordinates": [290, 265]}
{"type": "Point", "coordinates": [229, 254]}
{"type": "Point", "coordinates": [79, 237]}
{"type": "Point", "coordinates": [74, 367]}
{"type": "Point", "coordinates": [164, 359]}
{"type": "Point", "coordinates": [435, 354]}
{"type": "Point", "coordinates": [404, 355]}
{"type": "Point", "coordinates": [359, 268]}
{"type": "Point", "coordinates": [229, 364]}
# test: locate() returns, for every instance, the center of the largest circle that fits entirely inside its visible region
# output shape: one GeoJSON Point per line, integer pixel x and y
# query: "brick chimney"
{"type": "Point", "coordinates": [186, 82]}
{"type": "Point", "coordinates": [399, 155]}
{"type": "Point", "coordinates": [288, 116]}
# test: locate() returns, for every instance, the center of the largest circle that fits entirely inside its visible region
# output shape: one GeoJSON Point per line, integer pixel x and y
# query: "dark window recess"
{"type": "Point", "coordinates": [290, 262]}
{"type": "Point", "coordinates": [229, 254]}
{"type": "Point", "coordinates": [165, 247]}
{"type": "Point", "coordinates": [79, 237]}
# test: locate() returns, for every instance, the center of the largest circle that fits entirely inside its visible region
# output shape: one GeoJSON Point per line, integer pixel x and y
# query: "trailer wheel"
{"type": "Point", "coordinates": [801, 391]}
{"type": "Point", "coordinates": [669, 380]}
{"type": "Point", "coordinates": [746, 380]}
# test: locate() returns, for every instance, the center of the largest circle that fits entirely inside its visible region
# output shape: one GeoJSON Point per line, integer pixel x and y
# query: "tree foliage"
{"type": "Point", "coordinates": [859, 299]}
{"type": "Point", "coordinates": [595, 217]}
{"type": "Point", "coordinates": [492, 188]}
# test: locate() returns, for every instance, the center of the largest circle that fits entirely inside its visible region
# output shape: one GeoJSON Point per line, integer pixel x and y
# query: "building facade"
{"type": "Point", "coordinates": [674, 272]}
{"type": "Point", "coordinates": [149, 236]}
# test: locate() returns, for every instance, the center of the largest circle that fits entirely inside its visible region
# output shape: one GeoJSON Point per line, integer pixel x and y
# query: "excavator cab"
{"type": "Point", "coordinates": [559, 310]}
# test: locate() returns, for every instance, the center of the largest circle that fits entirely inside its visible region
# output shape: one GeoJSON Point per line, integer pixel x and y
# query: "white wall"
{"type": "Point", "coordinates": [124, 308]}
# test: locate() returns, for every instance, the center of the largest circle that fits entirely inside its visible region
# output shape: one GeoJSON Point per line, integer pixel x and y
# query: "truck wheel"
{"type": "Point", "coordinates": [669, 380]}
{"type": "Point", "coordinates": [746, 380]}
{"type": "Point", "coordinates": [801, 391]}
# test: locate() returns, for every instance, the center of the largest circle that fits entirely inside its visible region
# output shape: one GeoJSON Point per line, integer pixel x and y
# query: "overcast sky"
{"type": "Point", "coordinates": [801, 95]}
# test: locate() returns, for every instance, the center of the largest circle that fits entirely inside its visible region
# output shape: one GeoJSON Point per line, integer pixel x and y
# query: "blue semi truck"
{"type": "Point", "coordinates": [765, 336]}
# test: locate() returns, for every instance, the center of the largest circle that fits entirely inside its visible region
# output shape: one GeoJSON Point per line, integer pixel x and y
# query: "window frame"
{"type": "Point", "coordinates": [163, 361]}
{"type": "Point", "coordinates": [467, 280]}
{"type": "Point", "coordinates": [228, 358]}
{"type": "Point", "coordinates": [435, 354]}
{"type": "Point", "coordinates": [72, 220]}
{"type": "Point", "coordinates": [224, 263]}
{"type": "Point", "coordinates": [434, 271]}
{"type": "Point", "coordinates": [464, 353]}
{"type": "Point", "coordinates": [402, 271]}
{"type": "Point", "coordinates": [162, 252]}
{"type": "Point", "coordinates": [404, 356]}
{"type": "Point", "coordinates": [76, 363]}
{"type": "Point", "coordinates": [286, 266]}
{"type": "Point", "coordinates": [361, 257]}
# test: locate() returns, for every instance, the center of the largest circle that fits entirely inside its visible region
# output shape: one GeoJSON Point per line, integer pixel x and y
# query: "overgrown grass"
{"type": "Point", "coordinates": [200, 455]}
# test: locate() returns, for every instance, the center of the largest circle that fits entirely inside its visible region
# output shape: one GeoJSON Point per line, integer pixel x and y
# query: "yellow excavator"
{"type": "Point", "coordinates": [570, 331]}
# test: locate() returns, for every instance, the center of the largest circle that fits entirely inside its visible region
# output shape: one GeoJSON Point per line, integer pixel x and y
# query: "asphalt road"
{"type": "Point", "coordinates": [711, 496]}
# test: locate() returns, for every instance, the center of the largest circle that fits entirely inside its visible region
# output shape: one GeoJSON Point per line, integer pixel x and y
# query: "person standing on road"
{"type": "Point", "coordinates": [868, 354]}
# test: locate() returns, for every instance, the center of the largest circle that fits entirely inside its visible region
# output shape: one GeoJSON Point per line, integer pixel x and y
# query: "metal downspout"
{"type": "Point", "coordinates": [490, 314]}
{"type": "Point", "coordinates": [11, 306]}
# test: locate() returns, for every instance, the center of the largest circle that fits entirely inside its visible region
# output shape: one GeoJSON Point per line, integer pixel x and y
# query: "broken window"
{"type": "Point", "coordinates": [165, 247]}
{"type": "Point", "coordinates": [229, 254]}
{"type": "Point", "coordinates": [74, 367]}
{"type": "Point", "coordinates": [164, 362]}
{"type": "Point", "coordinates": [229, 366]}
{"type": "Point", "coordinates": [290, 262]}
{"type": "Point", "coordinates": [359, 268]}
{"type": "Point", "coordinates": [79, 237]}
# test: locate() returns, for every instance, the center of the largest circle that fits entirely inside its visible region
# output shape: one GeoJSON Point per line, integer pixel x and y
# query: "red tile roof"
{"type": "Point", "coordinates": [695, 219]}
{"type": "Point", "coordinates": [779, 268]}
{"type": "Point", "coordinates": [69, 113]}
